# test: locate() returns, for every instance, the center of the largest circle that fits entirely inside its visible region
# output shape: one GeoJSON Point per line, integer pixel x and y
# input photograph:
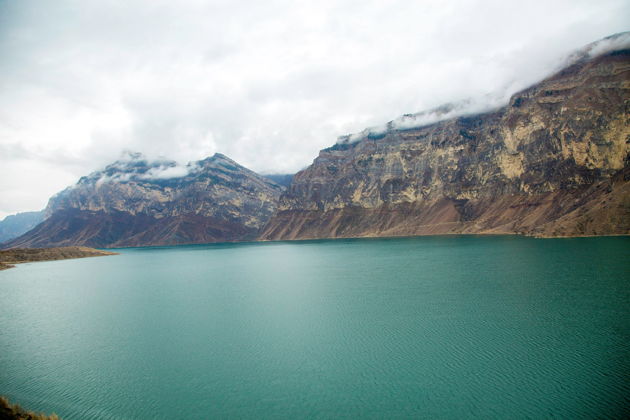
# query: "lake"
{"type": "Point", "coordinates": [449, 327]}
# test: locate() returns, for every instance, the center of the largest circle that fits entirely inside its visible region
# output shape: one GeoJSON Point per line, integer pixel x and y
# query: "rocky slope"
{"type": "Point", "coordinates": [553, 162]}
{"type": "Point", "coordinates": [137, 202]}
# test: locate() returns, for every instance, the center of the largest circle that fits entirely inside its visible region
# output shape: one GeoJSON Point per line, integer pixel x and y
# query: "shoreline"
{"type": "Point", "coordinates": [15, 411]}
{"type": "Point", "coordinates": [85, 252]}
{"type": "Point", "coordinates": [10, 257]}
{"type": "Point", "coordinates": [266, 241]}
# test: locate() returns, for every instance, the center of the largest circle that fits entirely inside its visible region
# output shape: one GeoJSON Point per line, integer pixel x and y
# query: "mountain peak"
{"type": "Point", "coordinates": [138, 201]}
{"type": "Point", "coordinates": [221, 156]}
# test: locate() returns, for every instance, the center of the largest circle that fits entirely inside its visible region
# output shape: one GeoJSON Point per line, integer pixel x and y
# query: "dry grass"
{"type": "Point", "coordinates": [21, 255]}
{"type": "Point", "coordinates": [10, 411]}
{"type": "Point", "coordinates": [4, 266]}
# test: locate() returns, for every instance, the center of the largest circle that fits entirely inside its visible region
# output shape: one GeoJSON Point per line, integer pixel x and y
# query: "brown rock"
{"type": "Point", "coordinates": [553, 162]}
{"type": "Point", "coordinates": [127, 204]}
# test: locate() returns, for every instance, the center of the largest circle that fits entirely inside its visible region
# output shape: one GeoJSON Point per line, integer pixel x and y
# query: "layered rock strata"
{"type": "Point", "coordinates": [136, 202]}
{"type": "Point", "coordinates": [552, 162]}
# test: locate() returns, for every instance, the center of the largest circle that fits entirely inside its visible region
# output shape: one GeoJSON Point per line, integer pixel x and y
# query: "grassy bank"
{"type": "Point", "coordinates": [10, 411]}
{"type": "Point", "coordinates": [8, 257]}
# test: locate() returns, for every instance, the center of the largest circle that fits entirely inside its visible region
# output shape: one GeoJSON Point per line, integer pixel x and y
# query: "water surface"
{"type": "Point", "coordinates": [433, 327]}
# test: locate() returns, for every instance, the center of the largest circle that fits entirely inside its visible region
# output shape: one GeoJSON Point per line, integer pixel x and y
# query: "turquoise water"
{"type": "Point", "coordinates": [433, 327]}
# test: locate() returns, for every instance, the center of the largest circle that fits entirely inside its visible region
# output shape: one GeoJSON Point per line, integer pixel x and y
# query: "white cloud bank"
{"type": "Point", "coordinates": [486, 102]}
{"type": "Point", "coordinates": [266, 83]}
{"type": "Point", "coordinates": [167, 172]}
{"type": "Point", "coordinates": [134, 166]}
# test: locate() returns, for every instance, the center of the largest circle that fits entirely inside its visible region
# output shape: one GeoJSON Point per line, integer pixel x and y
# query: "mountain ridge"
{"type": "Point", "coordinates": [135, 202]}
{"type": "Point", "coordinates": [517, 169]}
{"type": "Point", "coordinates": [553, 161]}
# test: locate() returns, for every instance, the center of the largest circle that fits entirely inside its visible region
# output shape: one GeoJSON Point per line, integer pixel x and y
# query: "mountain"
{"type": "Point", "coordinates": [280, 179]}
{"type": "Point", "coordinates": [135, 202]}
{"type": "Point", "coordinates": [554, 161]}
{"type": "Point", "coordinates": [17, 224]}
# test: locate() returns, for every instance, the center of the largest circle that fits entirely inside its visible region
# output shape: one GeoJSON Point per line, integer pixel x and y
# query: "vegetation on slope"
{"type": "Point", "coordinates": [22, 255]}
{"type": "Point", "coordinates": [10, 411]}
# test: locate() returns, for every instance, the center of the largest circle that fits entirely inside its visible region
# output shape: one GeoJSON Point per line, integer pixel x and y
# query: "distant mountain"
{"type": "Point", "coordinates": [554, 161]}
{"type": "Point", "coordinates": [280, 179]}
{"type": "Point", "coordinates": [135, 202]}
{"type": "Point", "coordinates": [17, 224]}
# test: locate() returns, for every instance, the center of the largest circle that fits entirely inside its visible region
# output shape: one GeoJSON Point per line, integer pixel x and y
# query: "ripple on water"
{"type": "Point", "coordinates": [426, 328]}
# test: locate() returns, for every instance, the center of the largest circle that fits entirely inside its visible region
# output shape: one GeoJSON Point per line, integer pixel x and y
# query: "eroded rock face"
{"type": "Point", "coordinates": [554, 161]}
{"type": "Point", "coordinates": [137, 202]}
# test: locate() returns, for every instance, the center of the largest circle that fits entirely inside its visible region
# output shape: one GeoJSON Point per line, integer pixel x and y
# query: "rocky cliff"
{"type": "Point", "coordinates": [139, 202]}
{"type": "Point", "coordinates": [552, 162]}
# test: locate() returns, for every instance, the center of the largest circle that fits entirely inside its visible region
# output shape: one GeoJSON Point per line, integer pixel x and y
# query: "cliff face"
{"type": "Point", "coordinates": [137, 202]}
{"type": "Point", "coordinates": [552, 162]}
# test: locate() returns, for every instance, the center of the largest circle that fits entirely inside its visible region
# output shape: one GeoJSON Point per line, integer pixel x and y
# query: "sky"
{"type": "Point", "coordinates": [268, 83]}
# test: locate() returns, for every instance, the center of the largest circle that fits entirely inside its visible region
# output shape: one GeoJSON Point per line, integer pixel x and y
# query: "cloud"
{"type": "Point", "coordinates": [611, 43]}
{"type": "Point", "coordinates": [167, 172]}
{"type": "Point", "coordinates": [134, 166]}
{"type": "Point", "coordinates": [153, 174]}
{"type": "Point", "coordinates": [469, 106]}
{"type": "Point", "coordinates": [268, 83]}
{"type": "Point", "coordinates": [594, 49]}
{"type": "Point", "coordinates": [451, 110]}
{"type": "Point", "coordinates": [487, 102]}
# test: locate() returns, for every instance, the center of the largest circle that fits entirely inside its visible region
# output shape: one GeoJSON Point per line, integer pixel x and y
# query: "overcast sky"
{"type": "Point", "coordinates": [268, 83]}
